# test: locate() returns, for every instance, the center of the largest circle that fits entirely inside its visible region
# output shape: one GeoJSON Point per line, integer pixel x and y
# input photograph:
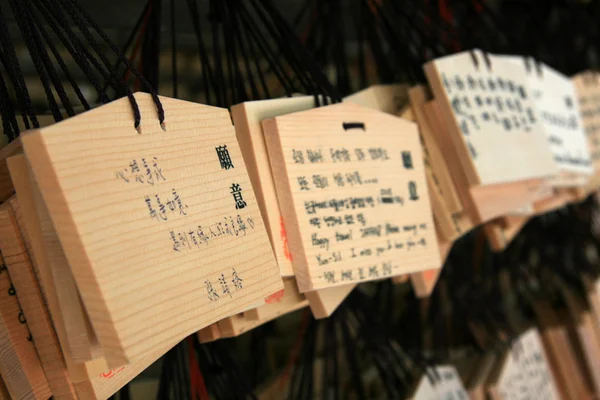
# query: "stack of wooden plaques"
{"type": "Point", "coordinates": [514, 140]}
{"type": "Point", "coordinates": [118, 242]}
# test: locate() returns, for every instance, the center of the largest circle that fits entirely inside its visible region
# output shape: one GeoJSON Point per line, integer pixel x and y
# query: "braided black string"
{"type": "Point", "coordinates": [59, 60]}
{"type": "Point", "coordinates": [25, 28]}
{"type": "Point", "coordinates": [57, 22]}
{"type": "Point", "coordinates": [12, 67]}
{"type": "Point", "coordinates": [76, 12]}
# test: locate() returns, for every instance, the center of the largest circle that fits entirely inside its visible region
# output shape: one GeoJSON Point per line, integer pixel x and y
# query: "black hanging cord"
{"type": "Point", "coordinates": [79, 15]}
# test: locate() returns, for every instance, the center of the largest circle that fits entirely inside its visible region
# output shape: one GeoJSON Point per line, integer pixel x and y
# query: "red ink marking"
{"type": "Point", "coordinates": [286, 249]}
{"type": "Point", "coordinates": [430, 274]}
{"type": "Point", "coordinates": [275, 297]}
{"type": "Point", "coordinates": [111, 373]}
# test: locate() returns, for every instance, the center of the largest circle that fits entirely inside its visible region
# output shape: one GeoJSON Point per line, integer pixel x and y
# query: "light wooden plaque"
{"type": "Point", "coordinates": [482, 202]}
{"type": "Point", "coordinates": [354, 208]}
{"type": "Point", "coordinates": [587, 86]}
{"type": "Point", "coordinates": [160, 228]}
{"type": "Point", "coordinates": [105, 384]}
{"type": "Point", "coordinates": [394, 100]}
{"type": "Point", "coordinates": [51, 266]}
{"type": "Point", "coordinates": [25, 282]}
{"type": "Point", "coordinates": [20, 366]}
{"type": "Point", "coordinates": [496, 144]}
{"type": "Point", "coordinates": [443, 177]}
{"type": "Point", "coordinates": [64, 305]}
{"type": "Point", "coordinates": [247, 119]}
{"type": "Point", "coordinates": [555, 99]}
{"type": "Point", "coordinates": [446, 384]}
{"type": "Point", "coordinates": [524, 371]}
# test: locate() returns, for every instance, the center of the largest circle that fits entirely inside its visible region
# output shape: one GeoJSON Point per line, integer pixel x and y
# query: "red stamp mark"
{"type": "Point", "coordinates": [111, 373]}
{"type": "Point", "coordinates": [430, 274]}
{"type": "Point", "coordinates": [275, 297]}
{"type": "Point", "coordinates": [286, 249]}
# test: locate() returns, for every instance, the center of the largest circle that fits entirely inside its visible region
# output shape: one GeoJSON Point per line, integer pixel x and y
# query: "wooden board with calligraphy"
{"type": "Point", "coordinates": [493, 129]}
{"type": "Point", "coordinates": [524, 372]}
{"type": "Point", "coordinates": [354, 210]}
{"type": "Point", "coordinates": [394, 100]}
{"type": "Point", "coordinates": [555, 100]}
{"type": "Point", "coordinates": [247, 118]}
{"type": "Point", "coordinates": [439, 383]}
{"type": "Point", "coordinates": [153, 222]}
{"type": "Point", "coordinates": [494, 113]}
{"type": "Point", "coordinates": [587, 86]}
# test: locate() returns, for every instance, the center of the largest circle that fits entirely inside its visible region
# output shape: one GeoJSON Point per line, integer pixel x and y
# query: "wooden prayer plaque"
{"type": "Point", "coordinates": [33, 306]}
{"type": "Point", "coordinates": [107, 383]}
{"type": "Point", "coordinates": [352, 190]}
{"type": "Point", "coordinates": [555, 100]}
{"type": "Point", "coordinates": [587, 86]}
{"type": "Point", "coordinates": [76, 337]}
{"type": "Point", "coordinates": [69, 318]}
{"type": "Point", "coordinates": [524, 371]}
{"type": "Point", "coordinates": [497, 143]}
{"type": "Point", "coordinates": [442, 383]}
{"type": "Point", "coordinates": [20, 365]}
{"type": "Point", "coordinates": [247, 119]}
{"type": "Point", "coordinates": [441, 174]}
{"type": "Point", "coordinates": [160, 228]}
{"type": "Point", "coordinates": [394, 100]}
